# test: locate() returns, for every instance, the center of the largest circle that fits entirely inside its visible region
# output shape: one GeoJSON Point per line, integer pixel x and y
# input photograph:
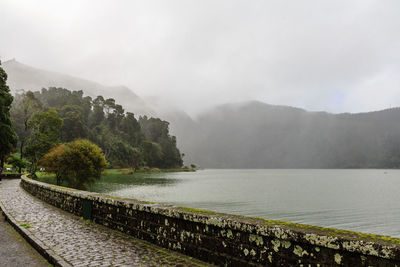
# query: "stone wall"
{"type": "Point", "coordinates": [221, 238]}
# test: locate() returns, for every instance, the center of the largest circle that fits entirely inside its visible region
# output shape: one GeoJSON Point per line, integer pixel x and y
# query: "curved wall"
{"type": "Point", "coordinates": [221, 238]}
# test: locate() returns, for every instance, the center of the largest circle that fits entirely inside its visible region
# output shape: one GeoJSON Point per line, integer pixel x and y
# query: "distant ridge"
{"type": "Point", "coordinates": [252, 134]}
{"type": "Point", "coordinates": [258, 135]}
{"type": "Point", "coordinates": [25, 77]}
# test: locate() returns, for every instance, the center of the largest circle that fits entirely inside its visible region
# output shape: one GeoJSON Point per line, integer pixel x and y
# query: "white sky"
{"type": "Point", "coordinates": [337, 55]}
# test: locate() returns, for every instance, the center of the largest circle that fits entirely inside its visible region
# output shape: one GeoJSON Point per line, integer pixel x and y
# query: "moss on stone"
{"type": "Point", "coordinates": [332, 232]}
{"type": "Point", "coordinates": [124, 198]}
{"type": "Point", "coordinates": [198, 211]}
{"type": "Point", "coordinates": [25, 225]}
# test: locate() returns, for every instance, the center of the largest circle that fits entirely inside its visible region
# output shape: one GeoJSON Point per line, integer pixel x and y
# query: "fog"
{"type": "Point", "coordinates": [319, 55]}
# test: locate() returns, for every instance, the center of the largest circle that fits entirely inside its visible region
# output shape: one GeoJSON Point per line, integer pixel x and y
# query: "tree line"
{"type": "Point", "coordinates": [39, 121]}
{"type": "Point", "coordinates": [258, 135]}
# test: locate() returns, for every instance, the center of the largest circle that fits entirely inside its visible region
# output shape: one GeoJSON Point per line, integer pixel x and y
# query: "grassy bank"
{"type": "Point", "coordinates": [115, 174]}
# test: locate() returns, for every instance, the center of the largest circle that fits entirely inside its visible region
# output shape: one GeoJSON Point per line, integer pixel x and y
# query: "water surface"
{"type": "Point", "coordinates": [359, 200]}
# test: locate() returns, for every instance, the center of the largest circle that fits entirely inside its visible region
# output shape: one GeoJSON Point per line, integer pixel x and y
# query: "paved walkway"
{"type": "Point", "coordinates": [15, 251]}
{"type": "Point", "coordinates": [82, 243]}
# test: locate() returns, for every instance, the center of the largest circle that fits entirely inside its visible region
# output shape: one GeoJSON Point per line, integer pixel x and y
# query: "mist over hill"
{"type": "Point", "coordinates": [252, 134]}
{"type": "Point", "coordinates": [24, 77]}
{"type": "Point", "coordinates": [258, 135]}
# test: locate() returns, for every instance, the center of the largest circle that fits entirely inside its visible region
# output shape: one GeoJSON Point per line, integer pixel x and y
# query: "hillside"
{"type": "Point", "coordinates": [252, 134]}
{"type": "Point", "coordinates": [60, 115]}
{"type": "Point", "coordinates": [258, 135]}
{"type": "Point", "coordinates": [21, 76]}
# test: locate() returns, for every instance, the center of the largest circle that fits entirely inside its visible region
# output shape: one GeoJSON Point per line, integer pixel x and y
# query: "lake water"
{"type": "Point", "coordinates": [359, 200]}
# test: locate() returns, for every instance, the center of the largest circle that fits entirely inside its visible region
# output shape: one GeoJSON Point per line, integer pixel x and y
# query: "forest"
{"type": "Point", "coordinates": [46, 118]}
{"type": "Point", "coordinates": [258, 135]}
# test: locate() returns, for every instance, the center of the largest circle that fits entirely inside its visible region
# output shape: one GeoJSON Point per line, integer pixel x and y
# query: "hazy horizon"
{"type": "Point", "coordinates": [337, 56]}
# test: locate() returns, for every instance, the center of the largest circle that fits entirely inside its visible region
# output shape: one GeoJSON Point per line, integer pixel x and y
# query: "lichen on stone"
{"type": "Point", "coordinates": [338, 258]}
{"type": "Point", "coordinates": [257, 239]}
{"type": "Point", "coordinates": [276, 243]}
{"type": "Point", "coordinates": [299, 251]}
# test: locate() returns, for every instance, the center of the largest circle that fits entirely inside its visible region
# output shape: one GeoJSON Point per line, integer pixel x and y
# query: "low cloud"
{"type": "Point", "coordinates": [320, 55]}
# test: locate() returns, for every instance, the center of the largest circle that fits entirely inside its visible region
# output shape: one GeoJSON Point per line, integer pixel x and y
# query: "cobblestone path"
{"type": "Point", "coordinates": [82, 243]}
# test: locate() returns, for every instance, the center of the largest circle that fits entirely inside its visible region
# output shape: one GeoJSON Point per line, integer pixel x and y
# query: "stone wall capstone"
{"type": "Point", "coordinates": [223, 239]}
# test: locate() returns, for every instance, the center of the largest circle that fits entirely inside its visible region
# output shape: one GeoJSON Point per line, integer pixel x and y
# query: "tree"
{"type": "Point", "coordinates": [109, 104]}
{"type": "Point", "coordinates": [152, 153]}
{"type": "Point", "coordinates": [97, 116]}
{"type": "Point", "coordinates": [45, 135]}
{"type": "Point", "coordinates": [8, 138]}
{"type": "Point", "coordinates": [79, 163]}
{"type": "Point", "coordinates": [136, 158]}
{"type": "Point", "coordinates": [17, 163]}
{"type": "Point", "coordinates": [130, 130]}
{"type": "Point", "coordinates": [157, 130]}
{"type": "Point", "coordinates": [102, 121]}
{"type": "Point", "coordinates": [55, 163]}
{"type": "Point", "coordinates": [73, 123]}
{"type": "Point", "coordinates": [22, 111]}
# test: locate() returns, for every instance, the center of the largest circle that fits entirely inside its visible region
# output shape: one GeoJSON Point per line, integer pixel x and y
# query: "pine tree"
{"type": "Point", "coordinates": [8, 138]}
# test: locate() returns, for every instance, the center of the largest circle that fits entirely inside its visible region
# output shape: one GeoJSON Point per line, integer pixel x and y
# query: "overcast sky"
{"type": "Point", "coordinates": [319, 55]}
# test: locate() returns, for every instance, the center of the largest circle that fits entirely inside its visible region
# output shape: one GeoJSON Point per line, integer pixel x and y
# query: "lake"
{"type": "Point", "coordinates": [358, 200]}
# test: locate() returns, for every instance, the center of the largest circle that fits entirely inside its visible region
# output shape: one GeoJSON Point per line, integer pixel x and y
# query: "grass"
{"type": "Point", "coordinates": [51, 177]}
{"type": "Point", "coordinates": [150, 170]}
{"type": "Point", "coordinates": [45, 177]}
{"type": "Point", "coordinates": [192, 210]}
{"type": "Point", "coordinates": [114, 176]}
{"type": "Point", "coordinates": [25, 225]}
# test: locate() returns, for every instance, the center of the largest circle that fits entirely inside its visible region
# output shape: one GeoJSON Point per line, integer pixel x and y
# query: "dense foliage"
{"type": "Point", "coordinates": [45, 130]}
{"type": "Point", "coordinates": [8, 138]}
{"type": "Point", "coordinates": [78, 163]}
{"type": "Point", "coordinates": [123, 139]}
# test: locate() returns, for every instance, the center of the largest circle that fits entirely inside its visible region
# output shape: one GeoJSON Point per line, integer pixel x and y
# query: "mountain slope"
{"type": "Point", "coordinates": [21, 76]}
{"type": "Point", "coordinates": [258, 135]}
{"type": "Point", "coordinates": [253, 134]}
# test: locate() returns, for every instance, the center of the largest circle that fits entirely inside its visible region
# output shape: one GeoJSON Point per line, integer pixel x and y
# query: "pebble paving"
{"type": "Point", "coordinates": [83, 243]}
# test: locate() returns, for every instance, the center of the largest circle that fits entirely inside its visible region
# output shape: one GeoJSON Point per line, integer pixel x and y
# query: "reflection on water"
{"type": "Point", "coordinates": [116, 183]}
{"type": "Point", "coordinates": [359, 200]}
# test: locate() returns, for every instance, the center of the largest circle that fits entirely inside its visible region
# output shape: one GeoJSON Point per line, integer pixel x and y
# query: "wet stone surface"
{"type": "Point", "coordinates": [83, 243]}
{"type": "Point", "coordinates": [15, 251]}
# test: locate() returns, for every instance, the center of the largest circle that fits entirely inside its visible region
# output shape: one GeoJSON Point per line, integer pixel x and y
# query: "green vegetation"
{"type": "Point", "coordinates": [46, 177]}
{"type": "Point", "coordinates": [78, 163]}
{"type": "Point", "coordinates": [117, 176]}
{"type": "Point", "coordinates": [166, 155]}
{"type": "Point", "coordinates": [52, 116]}
{"type": "Point", "coordinates": [40, 122]}
{"type": "Point", "coordinates": [45, 129]}
{"type": "Point", "coordinates": [331, 231]}
{"type": "Point", "coordinates": [25, 225]}
{"type": "Point", "coordinates": [8, 138]}
{"type": "Point", "coordinates": [22, 111]}
{"type": "Point", "coordinates": [199, 211]}
{"type": "Point", "coordinates": [17, 163]}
